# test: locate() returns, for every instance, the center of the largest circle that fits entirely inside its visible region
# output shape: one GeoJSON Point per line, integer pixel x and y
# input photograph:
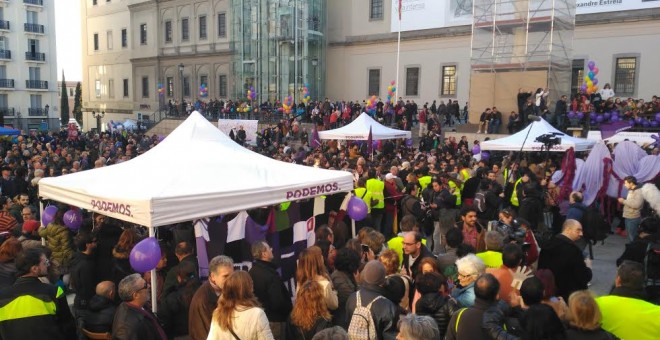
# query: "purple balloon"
{"type": "Point", "coordinates": [48, 215]}
{"type": "Point", "coordinates": [655, 123]}
{"type": "Point", "coordinates": [580, 115]}
{"type": "Point", "coordinates": [583, 87]}
{"type": "Point", "coordinates": [638, 120]}
{"type": "Point", "coordinates": [145, 255]}
{"type": "Point", "coordinates": [476, 150]}
{"type": "Point", "coordinates": [73, 219]}
{"type": "Point", "coordinates": [356, 209]}
{"type": "Point", "coordinates": [409, 142]}
{"type": "Point", "coordinates": [607, 115]}
{"type": "Point", "coordinates": [485, 155]}
{"type": "Point", "coordinates": [615, 118]}
{"type": "Point", "coordinates": [591, 65]}
{"type": "Point", "coordinates": [571, 114]}
{"type": "Point", "coordinates": [646, 123]}
{"type": "Point", "coordinates": [600, 118]}
{"type": "Point", "coordinates": [657, 117]}
{"type": "Point", "coordinates": [631, 122]}
{"type": "Point", "coordinates": [594, 80]}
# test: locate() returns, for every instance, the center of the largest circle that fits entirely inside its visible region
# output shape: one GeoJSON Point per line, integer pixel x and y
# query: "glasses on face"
{"type": "Point", "coordinates": [46, 262]}
{"type": "Point", "coordinates": [146, 286]}
{"type": "Point", "coordinates": [409, 244]}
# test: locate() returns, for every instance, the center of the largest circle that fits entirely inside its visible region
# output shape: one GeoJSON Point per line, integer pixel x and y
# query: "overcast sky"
{"type": "Point", "coordinates": [67, 30]}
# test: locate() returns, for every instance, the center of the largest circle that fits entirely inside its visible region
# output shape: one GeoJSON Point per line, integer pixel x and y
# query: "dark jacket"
{"type": "Point", "coordinates": [565, 261]}
{"type": "Point", "coordinates": [121, 266]}
{"type": "Point", "coordinates": [132, 323]}
{"type": "Point", "coordinates": [412, 271]}
{"type": "Point", "coordinates": [383, 311]}
{"type": "Point", "coordinates": [531, 209]}
{"type": "Point", "coordinates": [294, 332]}
{"type": "Point", "coordinates": [598, 334]}
{"type": "Point", "coordinates": [502, 322]}
{"type": "Point", "coordinates": [99, 315]}
{"type": "Point", "coordinates": [7, 274]}
{"type": "Point", "coordinates": [469, 324]}
{"type": "Point", "coordinates": [173, 309]}
{"type": "Point", "coordinates": [635, 251]}
{"type": "Point", "coordinates": [44, 312]}
{"type": "Point", "coordinates": [201, 310]}
{"type": "Point", "coordinates": [83, 279]}
{"type": "Point", "coordinates": [345, 286]}
{"type": "Point", "coordinates": [107, 237]}
{"type": "Point", "coordinates": [576, 211]}
{"type": "Point", "coordinates": [171, 278]}
{"type": "Point", "coordinates": [270, 290]}
{"type": "Point", "coordinates": [438, 307]}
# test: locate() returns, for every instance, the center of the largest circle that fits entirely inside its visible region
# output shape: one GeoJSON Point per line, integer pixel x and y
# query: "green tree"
{"type": "Point", "coordinates": [64, 103]}
{"type": "Point", "coordinates": [77, 103]}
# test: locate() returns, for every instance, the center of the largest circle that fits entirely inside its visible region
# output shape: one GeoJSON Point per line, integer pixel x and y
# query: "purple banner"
{"type": "Point", "coordinates": [610, 129]}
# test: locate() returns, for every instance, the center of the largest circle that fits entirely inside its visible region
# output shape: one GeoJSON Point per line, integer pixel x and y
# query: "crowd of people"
{"type": "Point", "coordinates": [451, 248]}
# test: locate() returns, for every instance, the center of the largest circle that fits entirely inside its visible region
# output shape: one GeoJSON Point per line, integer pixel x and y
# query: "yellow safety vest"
{"type": "Point", "coordinates": [377, 187]}
{"type": "Point", "coordinates": [424, 181]}
{"type": "Point", "coordinates": [492, 259]}
{"type": "Point", "coordinates": [629, 318]}
{"type": "Point", "coordinates": [365, 195]}
{"type": "Point", "coordinates": [514, 195]}
{"type": "Point", "coordinates": [457, 192]}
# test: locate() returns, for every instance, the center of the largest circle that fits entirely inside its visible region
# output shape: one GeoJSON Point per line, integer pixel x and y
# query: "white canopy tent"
{"type": "Point", "coordinates": [196, 172]}
{"type": "Point", "coordinates": [536, 129]}
{"type": "Point", "coordinates": [359, 130]}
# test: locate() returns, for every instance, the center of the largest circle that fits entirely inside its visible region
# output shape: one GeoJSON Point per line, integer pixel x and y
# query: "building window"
{"type": "Point", "coordinates": [374, 82]}
{"type": "Point", "coordinates": [624, 76]}
{"type": "Point", "coordinates": [124, 38]}
{"type": "Point", "coordinates": [96, 41]}
{"type": "Point", "coordinates": [169, 81]}
{"type": "Point", "coordinates": [577, 75]}
{"type": "Point", "coordinates": [109, 39]}
{"type": "Point", "coordinates": [3, 43]}
{"type": "Point", "coordinates": [448, 80]}
{"type": "Point", "coordinates": [125, 88]}
{"type": "Point", "coordinates": [185, 34]}
{"type": "Point", "coordinates": [111, 88]}
{"type": "Point", "coordinates": [71, 92]}
{"type": "Point", "coordinates": [412, 81]}
{"type": "Point", "coordinates": [145, 87]}
{"type": "Point", "coordinates": [222, 86]}
{"type": "Point", "coordinates": [143, 34]}
{"type": "Point", "coordinates": [222, 25]}
{"type": "Point", "coordinates": [202, 27]}
{"type": "Point", "coordinates": [376, 9]}
{"type": "Point", "coordinates": [168, 31]}
{"type": "Point", "coordinates": [204, 80]}
{"type": "Point", "coordinates": [186, 86]}
{"type": "Point", "coordinates": [97, 88]}
{"type": "Point", "coordinates": [94, 2]}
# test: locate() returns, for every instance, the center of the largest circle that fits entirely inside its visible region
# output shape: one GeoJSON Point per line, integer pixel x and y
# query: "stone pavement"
{"type": "Point", "coordinates": [604, 264]}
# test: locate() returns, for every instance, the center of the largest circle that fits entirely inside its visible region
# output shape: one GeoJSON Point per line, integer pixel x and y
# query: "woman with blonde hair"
{"type": "Point", "coordinates": [238, 315]}
{"type": "Point", "coordinates": [312, 268]}
{"type": "Point", "coordinates": [584, 318]}
{"type": "Point", "coordinates": [310, 315]}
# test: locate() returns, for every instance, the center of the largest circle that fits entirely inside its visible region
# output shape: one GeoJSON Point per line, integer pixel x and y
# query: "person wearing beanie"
{"type": "Point", "coordinates": [29, 237]}
{"type": "Point", "coordinates": [383, 311]}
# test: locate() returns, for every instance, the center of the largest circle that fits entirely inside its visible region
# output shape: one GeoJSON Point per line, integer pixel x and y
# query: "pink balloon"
{"type": "Point", "coordinates": [596, 70]}
{"type": "Point", "coordinates": [145, 255]}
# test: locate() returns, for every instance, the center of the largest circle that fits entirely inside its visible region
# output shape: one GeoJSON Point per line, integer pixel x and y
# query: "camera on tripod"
{"type": "Point", "coordinates": [549, 139]}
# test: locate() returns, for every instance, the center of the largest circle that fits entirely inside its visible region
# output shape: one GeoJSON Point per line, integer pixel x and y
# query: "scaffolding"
{"type": "Point", "coordinates": [279, 46]}
{"type": "Point", "coordinates": [525, 35]}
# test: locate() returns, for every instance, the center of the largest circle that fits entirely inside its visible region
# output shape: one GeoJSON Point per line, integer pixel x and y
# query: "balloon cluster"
{"type": "Point", "coordinates": [251, 93]}
{"type": "Point", "coordinates": [641, 121]}
{"type": "Point", "coordinates": [287, 103]}
{"type": "Point", "coordinates": [203, 90]}
{"type": "Point", "coordinates": [161, 90]}
{"type": "Point", "coordinates": [391, 92]}
{"type": "Point", "coordinates": [72, 218]}
{"type": "Point", "coordinates": [305, 94]}
{"type": "Point", "coordinates": [615, 116]}
{"type": "Point", "coordinates": [590, 81]}
{"type": "Point", "coordinates": [371, 105]}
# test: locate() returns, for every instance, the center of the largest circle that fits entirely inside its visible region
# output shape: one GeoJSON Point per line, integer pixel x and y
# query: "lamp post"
{"type": "Point", "coordinates": [315, 63]}
{"type": "Point", "coordinates": [98, 117]}
{"type": "Point", "coordinates": [181, 77]}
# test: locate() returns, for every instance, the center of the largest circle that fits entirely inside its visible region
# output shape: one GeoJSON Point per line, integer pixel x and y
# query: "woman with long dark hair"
{"type": "Point", "coordinates": [311, 267]}
{"type": "Point", "coordinates": [173, 308]}
{"type": "Point", "coordinates": [238, 315]}
{"type": "Point", "coordinates": [8, 251]}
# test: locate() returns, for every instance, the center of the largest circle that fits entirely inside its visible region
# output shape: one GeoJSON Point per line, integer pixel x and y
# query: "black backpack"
{"type": "Point", "coordinates": [594, 225]}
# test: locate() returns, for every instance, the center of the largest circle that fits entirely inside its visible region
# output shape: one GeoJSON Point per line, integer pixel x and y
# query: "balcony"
{"type": "Point", "coordinates": [32, 111]}
{"type": "Point", "coordinates": [7, 111]}
{"type": "Point", "coordinates": [6, 83]}
{"type": "Point", "coordinates": [34, 2]}
{"type": "Point", "coordinates": [35, 56]}
{"type": "Point", "coordinates": [33, 28]}
{"type": "Point", "coordinates": [37, 84]}
{"type": "Point", "coordinates": [4, 25]}
{"type": "Point", "coordinates": [5, 54]}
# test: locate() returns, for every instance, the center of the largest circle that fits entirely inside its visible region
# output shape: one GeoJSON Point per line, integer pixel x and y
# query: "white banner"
{"type": "Point", "coordinates": [250, 127]}
{"type": "Point", "coordinates": [427, 14]}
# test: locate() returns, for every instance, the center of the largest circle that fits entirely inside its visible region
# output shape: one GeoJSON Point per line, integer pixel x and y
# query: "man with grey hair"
{"type": "Point", "coordinates": [564, 259]}
{"type": "Point", "coordinates": [132, 320]}
{"type": "Point", "coordinates": [205, 299]}
{"type": "Point", "coordinates": [492, 257]}
{"type": "Point", "coordinates": [270, 290]}
{"type": "Point", "coordinates": [418, 327]}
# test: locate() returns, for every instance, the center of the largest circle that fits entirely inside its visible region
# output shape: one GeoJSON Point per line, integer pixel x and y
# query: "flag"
{"type": "Point", "coordinates": [610, 129]}
{"type": "Point", "coordinates": [316, 140]}
{"type": "Point", "coordinates": [400, 9]}
{"type": "Point", "coordinates": [370, 142]}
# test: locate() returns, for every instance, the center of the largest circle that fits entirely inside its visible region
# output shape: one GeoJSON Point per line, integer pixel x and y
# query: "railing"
{"type": "Point", "coordinates": [36, 111]}
{"type": "Point", "coordinates": [5, 54]}
{"type": "Point", "coordinates": [34, 2]}
{"type": "Point", "coordinates": [34, 28]}
{"type": "Point", "coordinates": [7, 111]}
{"type": "Point", "coordinates": [4, 24]}
{"type": "Point", "coordinates": [7, 83]}
{"type": "Point", "coordinates": [36, 56]}
{"type": "Point", "coordinates": [37, 84]}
